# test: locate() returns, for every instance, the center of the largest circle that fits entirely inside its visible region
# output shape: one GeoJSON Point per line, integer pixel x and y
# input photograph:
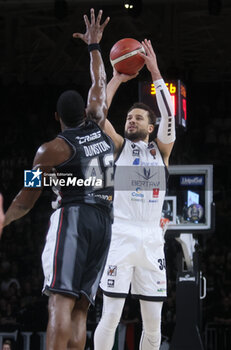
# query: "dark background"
{"type": "Point", "coordinates": [39, 59]}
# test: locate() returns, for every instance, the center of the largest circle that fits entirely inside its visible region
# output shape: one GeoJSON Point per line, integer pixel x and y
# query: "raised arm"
{"type": "Point", "coordinates": [166, 131]}
{"type": "Point", "coordinates": [115, 82]}
{"type": "Point", "coordinates": [112, 87]}
{"type": "Point", "coordinates": [97, 100]}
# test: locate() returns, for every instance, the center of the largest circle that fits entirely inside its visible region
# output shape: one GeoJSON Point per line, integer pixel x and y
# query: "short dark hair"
{"type": "Point", "coordinates": [7, 342]}
{"type": "Point", "coordinates": [141, 105]}
{"type": "Point", "coordinates": [70, 108]}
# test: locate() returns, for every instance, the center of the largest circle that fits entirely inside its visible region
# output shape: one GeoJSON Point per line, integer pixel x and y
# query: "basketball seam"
{"type": "Point", "coordinates": [127, 55]}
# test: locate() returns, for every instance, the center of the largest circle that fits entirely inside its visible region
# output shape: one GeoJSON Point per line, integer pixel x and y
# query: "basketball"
{"type": "Point", "coordinates": [124, 58]}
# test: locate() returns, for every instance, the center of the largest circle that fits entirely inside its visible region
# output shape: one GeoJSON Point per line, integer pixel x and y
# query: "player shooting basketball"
{"type": "Point", "coordinates": [79, 233]}
{"type": "Point", "coordinates": [136, 256]}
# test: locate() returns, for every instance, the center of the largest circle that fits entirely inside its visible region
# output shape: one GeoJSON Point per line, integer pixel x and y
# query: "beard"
{"type": "Point", "coordinates": [136, 136]}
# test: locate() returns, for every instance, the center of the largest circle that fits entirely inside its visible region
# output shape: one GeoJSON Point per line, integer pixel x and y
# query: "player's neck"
{"type": "Point", "coordinates": [146, 140]}
{"type": "Point", "coordinates": [139, 140]}
{"type": "Point", "coordinates": [65, 127]}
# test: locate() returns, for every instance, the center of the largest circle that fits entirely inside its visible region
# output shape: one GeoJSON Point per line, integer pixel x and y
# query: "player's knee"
{"type": "Point", "coordinates": [111, 320]}
{"type": "Point", "coordinates": [151, 317]}
{"type": "Point", "coordinates": [59, 322]}
{"type": "Point", "coordinates": [112, 310]}
{"type": "Point", "coordinates": [59, 309]}
{"type": "Point", "coordinates": [59, 327]}
{"type": "Point", "coordinates": [152, 327]}
{"type": "Point", "coordinates": [82, 305]}
{"type": "Point", "coordinates": [75, 342]}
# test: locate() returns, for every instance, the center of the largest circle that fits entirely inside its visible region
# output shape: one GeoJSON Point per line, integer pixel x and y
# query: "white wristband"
{"type": "Point", "coordinates": [166, 131]}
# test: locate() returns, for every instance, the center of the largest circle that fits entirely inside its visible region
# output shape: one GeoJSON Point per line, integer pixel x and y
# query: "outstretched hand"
{"type": "Point", "coordinates": [150, 59]}
{"type": "Point", "coordinates": [94, 30]}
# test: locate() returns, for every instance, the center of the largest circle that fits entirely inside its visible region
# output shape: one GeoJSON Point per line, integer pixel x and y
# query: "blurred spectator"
{"type": "Point", "coordinates": [7, 280]}
{"type": "Point", "coordinates": [222, 313]}
{"type": "Point", "coordinates": [7, 345]}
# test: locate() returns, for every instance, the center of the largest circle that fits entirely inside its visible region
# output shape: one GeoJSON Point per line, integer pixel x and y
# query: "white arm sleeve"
{"type": "Point", "coordinates": [166, 132]}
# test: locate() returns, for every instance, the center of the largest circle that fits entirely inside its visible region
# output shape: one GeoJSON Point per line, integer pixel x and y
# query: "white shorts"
{"type": "Point", "coordinates": [136, 258]}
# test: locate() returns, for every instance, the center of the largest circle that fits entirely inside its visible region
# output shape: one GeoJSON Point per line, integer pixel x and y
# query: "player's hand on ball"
{"type": "Point", "coordinates": [150, 57]}
{"type": "Point", "coordinates": [94, 30]}
{"type": "Point", "coordinates": [123, 78]}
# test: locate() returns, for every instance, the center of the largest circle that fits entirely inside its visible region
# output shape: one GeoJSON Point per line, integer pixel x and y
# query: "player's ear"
{"type": "Point", "coordinates": [150, 128]}
{"type": "Point", "coordinates": [57, 117]}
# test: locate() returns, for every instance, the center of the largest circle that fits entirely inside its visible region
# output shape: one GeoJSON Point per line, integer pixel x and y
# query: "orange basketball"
{"type": "Point", "coordinates": [124, 58]}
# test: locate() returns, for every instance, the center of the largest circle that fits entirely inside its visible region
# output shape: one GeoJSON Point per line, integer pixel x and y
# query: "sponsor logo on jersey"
{"type": "Point", "coordinates": [149, 163]}
{"type": "Point", "coordinates": [153, 200]}
{"type": "Point", "coordinates": [137, 193]}
{"type": "Point", "coordinates": [87, 138]}
{"type": "Point", "coordinates": [161, 290]}
{"type": "Point", "coordinates": [96, 148]}
{"type": "Point", "coordinates": [151, 147]}
{"type": "Point", "coordinates": [153, 153]}
{"type": "Point", "coordinates": [147, 174]}
{"type": "Point", "coordinates": [137, 196]}
{"type": "Point", "coordinates": [161, 282]}
{"type": "Point", "coordinates": [135, 199]}
{"type": "Point", "coordinates": [191, 180]}
{"type": "Point", "coordinates": [136, 152]}
{"type": "Point", "coordinates": [112, 270]}
{"type": "Point", "coordinates": [111, 283]}
{"type": "Point", "coordinates": [33, 178]}
{"type": "Point", "coordinates": [145, 184]}
{"type": "Point", "coordinates": [136, 161]}
{"type": "Point", "coordinates": [155, 192]}
{"type": "Point", "coordinates": [105, 197]}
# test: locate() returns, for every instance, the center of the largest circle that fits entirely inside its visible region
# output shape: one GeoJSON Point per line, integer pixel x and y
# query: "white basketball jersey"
{"type": "Point", "coordinates": [140, 182]}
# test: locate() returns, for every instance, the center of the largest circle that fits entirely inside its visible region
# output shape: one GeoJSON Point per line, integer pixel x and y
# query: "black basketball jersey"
{"type": "Point", "coordinates": [88, 176]}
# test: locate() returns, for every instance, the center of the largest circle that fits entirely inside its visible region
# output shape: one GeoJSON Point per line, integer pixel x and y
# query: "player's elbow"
{"type": "Point", "coordinates": [98, 113]}
{"type": "Point", "coordinates": [24, 208]}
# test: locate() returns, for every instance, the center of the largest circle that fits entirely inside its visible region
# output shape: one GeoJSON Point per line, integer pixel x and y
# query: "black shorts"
{"type": "Point", "coordinates": [76, 249]}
